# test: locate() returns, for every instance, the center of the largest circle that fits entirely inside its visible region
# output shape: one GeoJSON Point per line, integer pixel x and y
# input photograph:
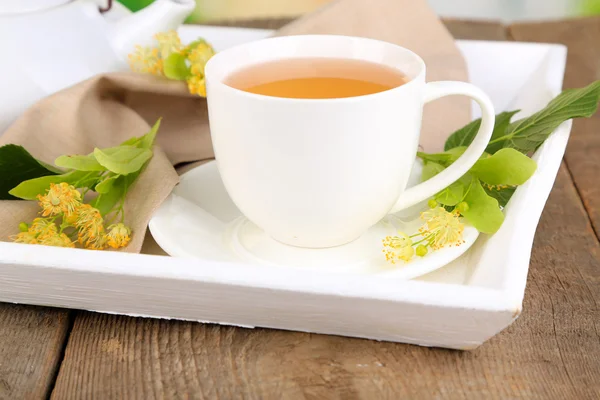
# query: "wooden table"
{"type": "Point", "coordinates": [551, 352]}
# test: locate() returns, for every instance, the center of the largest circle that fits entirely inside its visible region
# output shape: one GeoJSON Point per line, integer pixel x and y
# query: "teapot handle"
{"type": "Point", "coordinates": [109, 4]}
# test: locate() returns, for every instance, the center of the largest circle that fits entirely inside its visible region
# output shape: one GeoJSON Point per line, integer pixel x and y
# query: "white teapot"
{"type": "Point", "coordinates": [48, 45]}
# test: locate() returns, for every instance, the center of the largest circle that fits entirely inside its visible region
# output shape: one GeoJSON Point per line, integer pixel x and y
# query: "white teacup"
{"type": "Point", "coordinates": [320, 172]}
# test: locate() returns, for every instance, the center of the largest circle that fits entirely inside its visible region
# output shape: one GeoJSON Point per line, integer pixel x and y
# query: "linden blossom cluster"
{"type": "Point", "coordinates": [442, 228]}
{"type": "Point", "coordinates": [106, 174]}
{"type": "Point", "coordinates": [78, 221]}
{"type": "Point", "coordinates": [174, 61]}
{"type": "Point", "coordinates": [479, 196]}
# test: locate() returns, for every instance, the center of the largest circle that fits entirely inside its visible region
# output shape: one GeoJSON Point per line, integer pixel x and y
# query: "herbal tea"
{"type": "Point", "coordinates": [316, 78]}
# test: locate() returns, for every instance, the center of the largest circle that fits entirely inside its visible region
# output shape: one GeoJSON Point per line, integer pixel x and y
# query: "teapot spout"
{"type": "Point", "coordinates": [140, 27]}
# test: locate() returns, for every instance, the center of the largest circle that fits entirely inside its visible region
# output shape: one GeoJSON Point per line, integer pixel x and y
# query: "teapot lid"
{"type": "Point", "coordinates": [8, 7]}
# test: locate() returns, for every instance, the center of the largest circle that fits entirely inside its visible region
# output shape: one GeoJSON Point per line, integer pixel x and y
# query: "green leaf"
{"type": "Point", "coordinates": [30, 189]}
{"type": "Point", "coordinates": [146, 141]}
{"type": "Point", "coordinates": [132, 141]}
{"type": "Point", "coordinates": [452, 195]}
{"type": "Point", "coordinates": [465, 135]}
{"type": "Point", "coordinates": [80, 163]}
{"type": "Point", "coordinates": [113, 189]}
{"type": "Point", "coordinates": [483, 211]}
{"type": "Point", "coordinates": [446, 158]}
{"type": "Point", "coordinates": [106, 185]}
{"type": "Point", "coordinates": [106, 201]}
{"type": "Point", "coordinates": [500, 126]}
{"type": "Point", "coordinates": [175, 67]}
{"type": "Point", "coordinates": [505, 167]}
{"type": "Point", "coordinates": [16, 166]}
{"type": "Point", "coordinates": [123, 159]}
{"type": "Point", "coordinates": [529, 133]}
{"type": "Point", "coordinates": [502, 195]}
{"type": "Point", "coordinates": [430, 169]}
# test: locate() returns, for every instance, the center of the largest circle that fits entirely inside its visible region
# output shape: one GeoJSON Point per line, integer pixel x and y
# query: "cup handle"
{"type": "Point", "coordinates": [424, 190]}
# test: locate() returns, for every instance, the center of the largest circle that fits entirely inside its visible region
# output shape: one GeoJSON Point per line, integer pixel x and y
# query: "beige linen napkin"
{"type": "Point", "coordinates": [106, 110]}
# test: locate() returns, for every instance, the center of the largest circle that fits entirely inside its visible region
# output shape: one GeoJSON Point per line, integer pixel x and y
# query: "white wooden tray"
{"type": "Point", "coordinates": [459, 306]}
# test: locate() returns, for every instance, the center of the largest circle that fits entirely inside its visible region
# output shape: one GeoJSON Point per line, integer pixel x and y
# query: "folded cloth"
{"type": "Point", "coordinates": [108, 109]}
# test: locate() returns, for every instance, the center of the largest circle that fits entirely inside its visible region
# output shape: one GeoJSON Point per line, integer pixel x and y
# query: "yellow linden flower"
{"type": "Point", "coordinates": [57, 240]}
{"type": "Point", "coordinates": [87, 216]}
{"type": "Point", "coordinates": [168, 43]}
{"type": "Point", "coordinates": [146, 60]}
{"type": "Point", "coordinates": [197, 86]}
{"type": "Point", "coordinates": [42, 227]}
{"type": "Point", "coordinates": [25, 237]}
{"type": "Point", "coordinates": [96, 244]}
{"type": "Point", "coordinates": [118, 236]}
{"type": "Point", "coordinates": [71, 219]}
{"type": "Point", "coordinates": [91, 227]}
{"type": "Point", "coordinates": [198, 55]}
{"type": "Point", "coordinates": [398, 248]}
{"type": "Point", "coordinates": [61, 198]}
{"type": "Point", "coordinates": [442, 227]}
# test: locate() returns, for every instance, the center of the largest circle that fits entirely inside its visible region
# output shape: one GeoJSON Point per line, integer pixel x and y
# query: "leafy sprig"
{"type": "Point", "coordinates": [61, 193]}
{"type": "Point", "coordinates": [171, 59]}
{"type": "Point", "coordinates": [17, 165]}
{"type": "Point", "coordinates": [490, 183]}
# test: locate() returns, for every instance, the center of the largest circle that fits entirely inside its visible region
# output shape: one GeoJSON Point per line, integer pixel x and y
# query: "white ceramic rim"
{"type": "Point", "coordinates": [212, 66]}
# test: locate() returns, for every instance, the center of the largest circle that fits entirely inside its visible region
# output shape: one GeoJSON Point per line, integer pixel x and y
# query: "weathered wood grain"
{"type": "Point", "coordinates": [550, 352]}
{"type": "Point", "coordinates": [31, 344]}
{"type": "Point", "coordinates": [582, 36]}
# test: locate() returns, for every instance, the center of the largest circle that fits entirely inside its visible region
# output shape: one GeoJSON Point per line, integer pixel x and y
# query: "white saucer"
{"type": "Point", "coordinates": [199, 220]}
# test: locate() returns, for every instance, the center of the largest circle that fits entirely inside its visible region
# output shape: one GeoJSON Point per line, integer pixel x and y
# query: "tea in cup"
{"type": "Point", "coordinates": [315, 135]}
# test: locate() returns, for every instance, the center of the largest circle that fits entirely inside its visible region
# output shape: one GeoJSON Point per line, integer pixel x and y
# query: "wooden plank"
{"type": "Point", "coordinates": [31, 344]}
{"type": "Point", "coordinates": [550, 352]}
{"type": "Point", "coordinates": [583, 67]}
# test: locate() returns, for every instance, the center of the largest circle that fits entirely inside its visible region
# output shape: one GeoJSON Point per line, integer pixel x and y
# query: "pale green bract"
{"type": "Point", "coordinates": [430, 169]}
{"type": "Point", "coordinates": [146, 141]}
{"type": "Point", "coordinates": [175, 67]}
{"type": "Point", "coordinates": [505, 167]}
{"type": "Point", "coordinates": [106, 185]}
{"type": "Point", "coordinates": [79, 162]}
{"type": "Point", "coordinates": [483, 211]}
{"type": "Point", "coordinates": [122, 160]}
{"type": "Point", "coordinates": [30, 189]}
{"type": "Point", "coordinates": [453, 194]}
